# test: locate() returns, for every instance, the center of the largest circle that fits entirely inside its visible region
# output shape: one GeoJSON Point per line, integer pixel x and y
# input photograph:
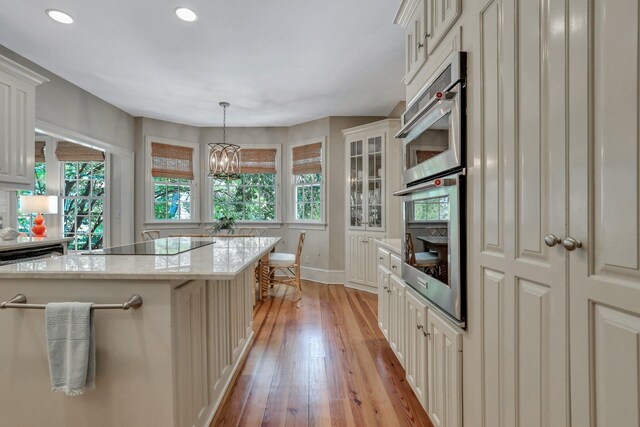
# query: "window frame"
{"type": "Point", "coordinates": [149, 189]}
{"type": "Point", "coordinates": [293, 186]}
{"type": "Point", "coordinates": [278, 197]}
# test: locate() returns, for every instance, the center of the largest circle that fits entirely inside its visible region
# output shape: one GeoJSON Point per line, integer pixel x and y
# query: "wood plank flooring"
{"type": "Point", "coordinates": [320, 361]}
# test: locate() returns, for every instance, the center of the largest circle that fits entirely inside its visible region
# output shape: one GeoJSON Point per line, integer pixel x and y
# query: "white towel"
{"type": "Point", "coordinates": [71, 347]}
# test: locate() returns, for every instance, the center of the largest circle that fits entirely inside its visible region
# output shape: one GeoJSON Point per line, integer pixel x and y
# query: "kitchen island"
{"type": "Point", "coordinates": [167, 363]}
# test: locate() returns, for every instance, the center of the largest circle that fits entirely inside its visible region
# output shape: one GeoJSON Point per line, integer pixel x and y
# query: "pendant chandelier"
{"type": "Point", "coordinates": [224, 159]}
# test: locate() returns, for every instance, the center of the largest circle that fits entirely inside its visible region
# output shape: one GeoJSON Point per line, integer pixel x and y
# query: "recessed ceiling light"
{"type": "Point", "coordinates": [59, 16]}
{"type": "Point", "coordinates": [186, 14]}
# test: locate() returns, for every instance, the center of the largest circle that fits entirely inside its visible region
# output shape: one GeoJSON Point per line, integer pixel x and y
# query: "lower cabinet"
{"type": "Point", "coordinates": [425, 343]}
{"type": "Point", "coordinates": [214, 324]}
{"type": "Point", "coordinates": [396, 312]}
{"type": "Point", "coordinates": [445, 367]}
{"type": "Point", "coordinates": [383, 300]}
{"type": "Point", "coordinates": [362, 261]}
{"type": "Point", "coordinates": [416, 366]}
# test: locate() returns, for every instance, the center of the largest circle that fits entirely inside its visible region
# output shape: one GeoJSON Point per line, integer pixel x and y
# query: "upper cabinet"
{"type": "Point", "coordinates": [426, 23]}
{"type": "Point", "coordinates": [17, 124]}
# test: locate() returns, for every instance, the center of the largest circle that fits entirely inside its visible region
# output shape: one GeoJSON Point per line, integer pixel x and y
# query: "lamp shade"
{"type": "Point", "coordinates": [39, 204]}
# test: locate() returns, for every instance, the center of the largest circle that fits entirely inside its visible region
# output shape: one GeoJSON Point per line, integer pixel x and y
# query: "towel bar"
{"type": "Point", "coordinates": [20, 301]}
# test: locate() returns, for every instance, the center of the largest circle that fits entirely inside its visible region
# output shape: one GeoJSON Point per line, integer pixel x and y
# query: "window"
{"type": "Point", "coordinates": [83, 195]}
{"type": "Point", "coordinates": [253, 196]}
{"type": "Point", "coordinates": [172, 180]}
{"type": "Point", "coordinates": [435, 209]}
{"type": "Point", "coordinates": [307, 165]}
{"type": "Point", "coordinates": [83, 204]}
{"type": "Point", "coordinates": [25, 221]}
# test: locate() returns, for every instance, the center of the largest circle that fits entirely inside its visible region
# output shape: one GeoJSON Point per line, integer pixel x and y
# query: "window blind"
{"type": "Point", "coordinates": [40, 152]}
{"type": "Point", "coordinates": [258, 160]}
{"type": "Point", "coordinates": [171, 161]}
{"type": "Point", "coordinates": [69, 152]}
{"type": "Point", "coordinates": [307, 159]}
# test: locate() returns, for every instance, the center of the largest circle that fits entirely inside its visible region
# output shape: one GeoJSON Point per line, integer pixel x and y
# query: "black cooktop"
{"type": "Point", "coordinates": [169, 246]}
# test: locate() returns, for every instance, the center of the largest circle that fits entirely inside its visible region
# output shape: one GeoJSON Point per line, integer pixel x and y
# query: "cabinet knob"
{"type": "Point", "coordinates": [386, 287]}
{"type": "Point", "coordinates": [571, 244]}
{"type": "Point", "coordinates": [552, 240]}
{"type": "Point", "coordinates": [419, 326]}
{"type": "Point", "coordinates": [395, 267]}
{"type": "Point", "coordinates": [421, 45]}
{"type": "Point", "coordinates": [425, 333]}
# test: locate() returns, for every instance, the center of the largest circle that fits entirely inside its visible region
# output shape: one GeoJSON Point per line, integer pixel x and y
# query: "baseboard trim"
{"type": "Point", "coordinates": [360, 287]}
{"type": "Point", "coordinates": [320, 275]}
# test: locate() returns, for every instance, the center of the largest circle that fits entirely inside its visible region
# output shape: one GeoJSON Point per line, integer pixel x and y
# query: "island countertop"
{"type": "Point", "coordinates": [31, 242]}
{"type": "Point", "coordinates": [222, 260]}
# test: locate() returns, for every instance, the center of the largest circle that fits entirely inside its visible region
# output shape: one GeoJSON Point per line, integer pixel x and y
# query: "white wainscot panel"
{"type": "Point", "coordinates": [533, 337]}
{"type": "Point", "coordinates": [492, 339]}
{"type": "Point", "coordinates": [492, 171]}
{"type": "Point", "coordinates": [617, 362]}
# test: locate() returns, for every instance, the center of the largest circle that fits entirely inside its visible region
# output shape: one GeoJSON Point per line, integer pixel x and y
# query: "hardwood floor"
{"type": "Point", "coordinates": [320, 361]}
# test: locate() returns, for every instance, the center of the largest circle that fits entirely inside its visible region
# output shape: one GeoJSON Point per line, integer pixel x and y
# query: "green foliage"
{"type": "Point", "coordinates": [172, 198]}
{"type": "Point", "coordinates": [436, 209]}
{"type": "Point", "coordinates": [251, 197]}
{"type": "Point", "coordinates": [308, 197]}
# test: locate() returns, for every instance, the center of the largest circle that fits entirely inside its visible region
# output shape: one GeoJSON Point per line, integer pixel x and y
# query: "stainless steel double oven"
{"type": "Point", "coordinates": [434, 196]}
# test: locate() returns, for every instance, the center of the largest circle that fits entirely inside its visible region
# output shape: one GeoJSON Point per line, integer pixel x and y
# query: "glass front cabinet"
{"type": "Point", "coordinates": [373, 173]}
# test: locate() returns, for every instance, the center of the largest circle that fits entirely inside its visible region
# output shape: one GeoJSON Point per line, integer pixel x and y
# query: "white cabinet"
{"type": "Point", "coordinates": [373, 159]}
{"type": "Point", "coordinates": [396, 302]}
{"type": "Point", "coordinates": [383, 300]}
{"type": "Point", "coordinates": [444, 372]}
{"type": "Point", "coordinates": [214, 327]}
{"type": "Point", "coordinates": [425, 23]}
{"type": "Point", "coordinates": [191, 336]}
{"type": "Point", "coordinates": [442, 14]}
{"type": "Point", "coordinates": [416, 368]}
{"type": "Point", "coordinates": [17, 124]}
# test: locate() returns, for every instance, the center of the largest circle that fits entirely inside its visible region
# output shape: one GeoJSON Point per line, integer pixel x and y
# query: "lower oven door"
{"type": "Point", "coordinates": [433, 231]}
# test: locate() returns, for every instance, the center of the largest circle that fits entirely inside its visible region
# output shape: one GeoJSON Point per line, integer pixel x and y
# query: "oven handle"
{"type": "Point", "coordinates": [448, 96]}
{"type": "Point", "coordinates": [424, 186]}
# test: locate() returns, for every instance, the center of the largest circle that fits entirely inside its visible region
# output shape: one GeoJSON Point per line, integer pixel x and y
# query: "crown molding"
{"type": "Point", "coordinates": [21, 72]}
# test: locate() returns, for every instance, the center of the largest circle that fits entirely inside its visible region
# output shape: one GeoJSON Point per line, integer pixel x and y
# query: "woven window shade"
{"type": "Point", "coordinates": [39, 152]}
{"type": "Point", "coordinates": [258, 160]}
{"type": "Point", "coordinates": [70, 152]}
{"type": "Point", "coordinates": [171, 161]}
{"type": "Point", "coordinates": [307, 159]}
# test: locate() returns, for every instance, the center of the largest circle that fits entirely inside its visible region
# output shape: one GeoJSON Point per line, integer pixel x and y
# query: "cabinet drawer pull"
{"type": "Point", "coordinates": [386, 287]}
{"type": "Point", "coordinates": [426, 334]}
{"type": "Point", "coordinates": [395, 267]}
{"type": "Point", "coordinates": [381, 259]}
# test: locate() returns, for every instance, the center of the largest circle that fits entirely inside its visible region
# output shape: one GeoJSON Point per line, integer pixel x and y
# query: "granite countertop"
{"type": "Point", "coordinates": [29, 242]}
{"type": "Point", "coordinates": [222, 260]}
{"type": "Point", "coordinates": [394, 245]}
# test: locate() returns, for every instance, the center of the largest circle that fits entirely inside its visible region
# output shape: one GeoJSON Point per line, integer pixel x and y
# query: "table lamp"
{"type": "Point", "coordinates": [39, 205]}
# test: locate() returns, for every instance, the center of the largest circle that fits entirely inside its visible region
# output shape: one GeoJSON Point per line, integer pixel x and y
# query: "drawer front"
{"type": "Point", "coordinates": [383, 257]}
{"type": "Point", "coordinates": [395, 264]}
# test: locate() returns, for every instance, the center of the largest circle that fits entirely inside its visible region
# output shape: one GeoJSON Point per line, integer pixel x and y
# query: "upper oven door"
{"type": "Point", "coordinates": [433, 143]}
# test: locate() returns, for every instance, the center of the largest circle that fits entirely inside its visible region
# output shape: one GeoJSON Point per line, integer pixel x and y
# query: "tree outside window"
{"type": "Point", "coordinates": [308, 197]}
{"type": "Point", "coordinates": [172, 198]}
{"type": "Point", "coordinates": [251, 197]}
{"type": "Point", "coordinates": [83, 202]}
{"type": "Point", "coordinates": [435, 209]}
{"type": "Point", "coordinates": [25, 221]}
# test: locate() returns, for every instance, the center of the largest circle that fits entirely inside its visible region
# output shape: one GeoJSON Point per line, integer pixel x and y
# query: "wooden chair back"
{"type": "Point", "coordinates": [300, 246]}
{"type": "Point", "coordinates": [409, 250]}
{"type": "Point", "coordinates": [148, 235]}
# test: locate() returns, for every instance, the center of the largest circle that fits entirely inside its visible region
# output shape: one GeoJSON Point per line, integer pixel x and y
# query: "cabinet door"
{"type": "Point", "coordinates": [17, 123]}
{"type": "Point", "coordinates": [396, 317]}
{"type": "Point", "coordinates": [604, 196]}
{"type": "Point", "coordinates": [415, 43]}
{"type": "Point", "coordinates": [445, 372]}
{"type": "Point", "coordinates": [416, 347]}
{"type": "Point", "coordinates": [191, 337]}
{"type": "Point", "coordinates": [371, 259]}
{"type": "Point", "coordinates": [375, 188]}
{"type": "Point", "coordinates": [357, 258]}
{"type": "Point", "coordinates": [442, 14]}
{"type": "Point", "coordinates": [356, 185]}
{"type": "Point", "coordinates": [383, 301]}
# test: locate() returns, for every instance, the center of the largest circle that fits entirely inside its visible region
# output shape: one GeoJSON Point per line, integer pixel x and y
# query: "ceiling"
{"type": "Point", "coordinates": [278, 62]}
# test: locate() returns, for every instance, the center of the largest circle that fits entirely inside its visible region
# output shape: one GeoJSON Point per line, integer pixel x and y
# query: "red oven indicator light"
{"type": "Point", "coordinates": [439, 95]}
{"type": "Point", "coordinates": [437, 182]}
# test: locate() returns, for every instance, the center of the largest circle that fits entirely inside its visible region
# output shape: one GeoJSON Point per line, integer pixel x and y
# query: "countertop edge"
{"type": "Point", "coordinates": [394, 245]}
{"type": "Point", "coordinates": [169, 276]}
